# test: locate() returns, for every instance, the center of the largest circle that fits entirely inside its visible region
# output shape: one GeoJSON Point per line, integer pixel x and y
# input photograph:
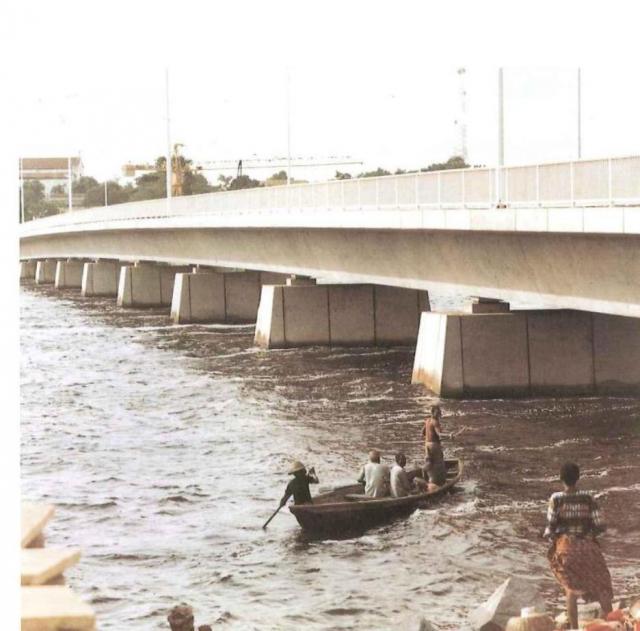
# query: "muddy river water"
{"type": "Point", "coordinates": [166, 447]}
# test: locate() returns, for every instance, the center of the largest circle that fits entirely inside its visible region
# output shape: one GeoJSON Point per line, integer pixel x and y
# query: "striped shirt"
{"type": "Point", "coordinates": [573, 514]}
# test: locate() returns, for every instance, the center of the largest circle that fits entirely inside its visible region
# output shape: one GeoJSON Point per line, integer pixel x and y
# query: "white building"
{"type": "Point", "coordinates": [52, 171]}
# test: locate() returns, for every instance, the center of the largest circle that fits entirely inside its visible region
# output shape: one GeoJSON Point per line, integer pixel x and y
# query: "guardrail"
{"type": "Point", "coordinates": [597, 183]}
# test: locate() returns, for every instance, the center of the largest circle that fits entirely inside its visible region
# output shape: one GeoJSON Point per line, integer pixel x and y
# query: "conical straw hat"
{"type": "Point", "coordinates": [296, 466]}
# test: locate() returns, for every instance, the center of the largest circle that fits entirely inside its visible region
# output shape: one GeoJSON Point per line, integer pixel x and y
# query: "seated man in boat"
{"type": "Point", "coordinates": [375, 476]}
{"type": "Point", "coordinates": [400, 484]}
{"type": "Point", "coordinates": [299, 486]}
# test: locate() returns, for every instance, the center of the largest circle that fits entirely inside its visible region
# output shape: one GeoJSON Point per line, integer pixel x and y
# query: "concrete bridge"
{"type": "Point", "coordinates": [562, 235]}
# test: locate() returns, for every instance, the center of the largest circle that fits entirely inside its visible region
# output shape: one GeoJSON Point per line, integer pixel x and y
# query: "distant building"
{"type": "Point", "coordinates": [51, 171]}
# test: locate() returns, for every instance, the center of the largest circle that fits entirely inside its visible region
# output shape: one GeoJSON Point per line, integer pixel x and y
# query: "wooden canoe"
{"type": "Point", "coordinates": [345, 510]}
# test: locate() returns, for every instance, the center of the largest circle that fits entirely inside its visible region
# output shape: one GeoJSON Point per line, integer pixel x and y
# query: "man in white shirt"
{"type": "Point", "coordinates": [375, 476]}
{"type": "Point", "coordinates": [400, 485]}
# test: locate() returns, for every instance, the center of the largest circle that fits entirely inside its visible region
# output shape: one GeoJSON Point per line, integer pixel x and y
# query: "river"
{"type": "Point", "coordinates": [164, 448]}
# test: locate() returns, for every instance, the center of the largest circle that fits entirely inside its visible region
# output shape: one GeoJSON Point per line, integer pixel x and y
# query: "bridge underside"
{"type": "Point", "coordinates": [597, 273]}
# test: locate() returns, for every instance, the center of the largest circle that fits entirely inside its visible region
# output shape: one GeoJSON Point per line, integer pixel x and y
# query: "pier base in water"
{"type": "Point", "coordinates": [147, 285]}
{"type": "Point", "coordinates": [69, 274]}
{"type": "Point", "coordinates": [523, 353]}
{"type": "Point", "coordinates": [213, 296]}
{"type": "Point", "coordinates": [100, 279]}
{"type": "Point", "coordinates": [338, 315]}
{"type": "Point", "coordinates": [28, 270]}
{"type": "Point", "coordinates": [46, 272]}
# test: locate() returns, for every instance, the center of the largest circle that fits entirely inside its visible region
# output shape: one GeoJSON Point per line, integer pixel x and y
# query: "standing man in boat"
{"type": "Point", "coordinates": [434, 468]}
{"type": "Point", "coordinates": [375, 476]}
{"type": "Point", "coordinates": [299, 486]}
{"type": "Point", "coordinates": [573, 521]}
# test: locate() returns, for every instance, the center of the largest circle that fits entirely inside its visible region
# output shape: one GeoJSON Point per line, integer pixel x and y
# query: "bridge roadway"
{"type": "Point", "coordinates": [563, 235]}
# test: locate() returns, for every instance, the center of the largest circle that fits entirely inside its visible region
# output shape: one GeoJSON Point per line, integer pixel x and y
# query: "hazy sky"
{"type": "Point", "coordinates": [374, 80]}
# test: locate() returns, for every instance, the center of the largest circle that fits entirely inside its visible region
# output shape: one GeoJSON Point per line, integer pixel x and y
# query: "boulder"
{"type": "Point", "coordinates": [507, 602]}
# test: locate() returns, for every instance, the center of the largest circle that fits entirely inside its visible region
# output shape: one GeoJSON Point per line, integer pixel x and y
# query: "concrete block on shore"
{"type": "Point", "coordinates": [41, 565]}
{"type": "Point", "coordinates": [51, 608]}
{"type": "Point", "coordinates": [507, 602]}
{"type": "Point", "coordinates": [33, 519]}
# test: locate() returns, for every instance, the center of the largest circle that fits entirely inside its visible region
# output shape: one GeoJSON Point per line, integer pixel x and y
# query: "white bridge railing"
{"type": "Point", "coordinates": [596, 183]}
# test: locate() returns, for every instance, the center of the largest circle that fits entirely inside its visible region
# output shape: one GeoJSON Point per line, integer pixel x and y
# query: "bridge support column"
{"type": "Point", "coordinates": [46, 272]}
{"type": "Point", "coordinates": [338, 315]}
{"type": "Point", "coordinates": [100, 279]}
{"type": "Point", "coordinates": [147, 284]}
{"type": "Point", "coordinates": [211, 296]}
{"type": "Point", "coordinates": [525, 353]}
{"type": "Point", "coordinates": [69, 274]}
{"type": "Point", "coordinates": [28, 270]}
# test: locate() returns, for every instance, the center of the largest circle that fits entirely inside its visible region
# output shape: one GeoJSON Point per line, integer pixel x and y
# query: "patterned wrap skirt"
{"type": "Point", "coordinates": [578, 565]}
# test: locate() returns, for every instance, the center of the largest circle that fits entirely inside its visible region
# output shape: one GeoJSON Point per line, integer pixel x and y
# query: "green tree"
{"type": "Point", "coordinates": [116, 194]}
{"type": "Point", "coordinates": [83, 184]}
{"type": "Point", "coordinates": [149, 186]}
{"type": "Point", "coordinates": [196, 184]}
{"type": "Point", "coordinates": [243, 181]}
{"type": "Point", "coordinates": [377, 173]}
{"type": "Point", "coordinates": [454, 162]}
{"type": "Point", "coordinates": [342, 176]}
{"type": "Point", "coordinates": [35, 204]}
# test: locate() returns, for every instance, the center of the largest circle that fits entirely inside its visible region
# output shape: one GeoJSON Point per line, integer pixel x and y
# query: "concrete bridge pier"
{"type": "Point", "coordinates": [525, 353]}
{"type": "Point", "coordinates": [100, 279]}
{"type": "Point", "coordinates": [69, 274]}
{"type": "Point", "coordinates": [28, 270]}
{"type": "Point", "coordinates": [46, 272]}
{"type": "Point", "coordinates": [147, 284]}
{"type": "Point", "coordinates": [338, 315]}
{"type": "Point", "coordinates": [208, 295]}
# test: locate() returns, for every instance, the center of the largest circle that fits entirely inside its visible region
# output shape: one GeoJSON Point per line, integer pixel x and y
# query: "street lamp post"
{"type": "Point", "coordinates": [500, 174]}
{"type": "Point", "coordinates": [579, 114]}
{"type": "Point", "coordinates": [168, 165]}
{"type": "Point", "coordinates": [288, 95]}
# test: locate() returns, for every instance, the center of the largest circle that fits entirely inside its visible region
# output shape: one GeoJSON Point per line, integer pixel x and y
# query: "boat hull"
{"type": "Point", "coordinates": [333, 513]}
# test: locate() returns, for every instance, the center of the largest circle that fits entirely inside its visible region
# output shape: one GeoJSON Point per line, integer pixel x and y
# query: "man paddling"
{"type": "Point", "coordinates": [299, 486]}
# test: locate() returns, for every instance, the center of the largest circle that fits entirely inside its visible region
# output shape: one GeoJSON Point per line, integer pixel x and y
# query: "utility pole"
{"type": "Point", "coordinates": [168, 165]}
{"type": "Point", "coordinates": [106, 203]}
{"type": "Point", "coordinates": [500, 175]}
{"type": "Point", "coordinates": [69, 184]}
{"type": "Point", "coordinates": [579, 114]}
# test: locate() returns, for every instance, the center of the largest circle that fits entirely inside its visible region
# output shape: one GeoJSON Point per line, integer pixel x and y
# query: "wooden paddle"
{"type": "Point", "coordinates": [266, 523]}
